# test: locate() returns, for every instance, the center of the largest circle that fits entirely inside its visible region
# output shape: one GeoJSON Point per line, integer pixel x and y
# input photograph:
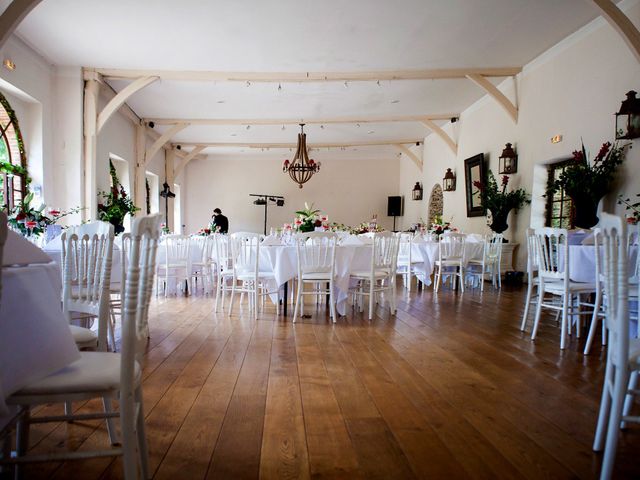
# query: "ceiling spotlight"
{"type": "Point", "coordinates": [220, 101]}
{"type": "Point", "coordinates": [279, 87]}
{"type": "Point", "coordinates": [346, 85]}
{"type": "Point", "coordinates": [454, 119]}
{"type": "Point", "coordinates": [370, 132]}
{"type": "Point", "coordinates": [395, 101]}
{"type": "Point", "coordinates": [248, 127]}
{"type": "Point", "coordinates": [358, 125]}
{"type": "Point", "coordinates": [378, 82]}
{"type": "Point", "coordinates": [283, 128]}
{"type": "Point", "coordinates": [179, 147]}
{"type": "Point", "coordinates": [151, 124]}
{"type": "Point", "coordinates": [321, 127]}
{"type": "Point", "coordinates": [417, 144]}
{"type": "Point", "coordinates": [248, 83]}
{"type": "Point", "coordinates": [234, 134]}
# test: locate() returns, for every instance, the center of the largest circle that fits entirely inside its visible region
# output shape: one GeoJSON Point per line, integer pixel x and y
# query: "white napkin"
{"type": "Point", "coordinates": [271, 241]}
{"type": "Point", "coordinates": [20, 251]}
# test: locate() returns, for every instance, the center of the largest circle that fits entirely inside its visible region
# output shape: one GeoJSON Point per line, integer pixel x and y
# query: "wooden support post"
{"type": "Point", "coordinates": [121, 97]}
{"type": "Point", "coordinates": [621, 24]}
{"type": "Point", "coordinates": [139, 188]}
{"type": "Point", "coordinates": [89, 182]}
{"type": "Point", "coordinates": [417, 160]}
{"type": "Point", "coordinates": [169, 157]}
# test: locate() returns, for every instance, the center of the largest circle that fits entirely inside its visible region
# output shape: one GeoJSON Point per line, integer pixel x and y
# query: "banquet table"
{"type": "Point", "coordinates": [582, 262]}
{"type": "Point", "coordinates": [35, 339]}
{"type": "Point", "coordinates": [428, 255]}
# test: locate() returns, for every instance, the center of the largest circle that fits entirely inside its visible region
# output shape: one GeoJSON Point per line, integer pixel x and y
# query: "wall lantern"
{"type": "Point", "coordinates": [449, 181]}
{"type": "Point", "coordinates": [628, 118]}
{"type": "Point", "coordinates": [416, 193]}
{"type": "Point", "coordinates": [508, 161]}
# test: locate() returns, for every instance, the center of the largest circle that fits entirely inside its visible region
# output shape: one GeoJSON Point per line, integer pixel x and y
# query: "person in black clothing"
{"type": "Point", "coordinates": [220, 222]}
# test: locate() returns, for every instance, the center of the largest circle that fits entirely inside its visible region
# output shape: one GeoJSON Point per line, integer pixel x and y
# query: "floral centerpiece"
{"type": "Point", "coordinates": [439, 226]}
{"type": "Point", "coordinates": [634, 208]}
{"type": "Point", "coordinates": [164, 229]}
{"type": "Point", "coordinates": [31, 221]}
{"type": "Point", "coordinates": [308, 219]}
{"type": "Point", "coordinates": [500, 202]}
{"type": "Point", "coordinates": [116, 204]}
{"type": "Point", "coordinates": [586, 182]}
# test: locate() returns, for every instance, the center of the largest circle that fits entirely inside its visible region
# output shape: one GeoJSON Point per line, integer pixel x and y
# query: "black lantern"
{"type": "Point", "coordinates": [508, 161]}
{"type": "Point", "coordinates": [416, 193]}
{"type": "Point", "coordinates": [449, 181]}
{"type": "Point", "coordinates": [628, 118]}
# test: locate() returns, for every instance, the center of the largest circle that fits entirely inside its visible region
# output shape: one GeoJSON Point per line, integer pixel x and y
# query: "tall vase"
{"type": "Point", "coordinates": [585, 208]}
{"type": "Point", "coordinates": [499, 221]}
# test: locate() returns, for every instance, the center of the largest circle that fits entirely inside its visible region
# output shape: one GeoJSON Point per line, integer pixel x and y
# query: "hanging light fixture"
{"type": "Point", "coordinates": [301, 168]}
{"type": "Point", "coordinates": [166, 193]}
{"type": "Point", "coordinates": [628, 118]}
{"type": "Point", "coordinates": [508, 161]}
{"type": "Point", "coordinates": [449, 181]}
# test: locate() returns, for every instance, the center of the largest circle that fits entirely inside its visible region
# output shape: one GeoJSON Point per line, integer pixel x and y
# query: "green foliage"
{"type": "Point", "coordinates": [116, 204]}
{"type": "Point", "coordinates": [591, 179]}
{"type": "Point", "coordinates": [29, 220]}
{"type": "Point", "coordinates": [499, 201]}
{"type": "Point", "coordinates": [634, 208]}
{"type": "Point", "coordinates": [308, 217]}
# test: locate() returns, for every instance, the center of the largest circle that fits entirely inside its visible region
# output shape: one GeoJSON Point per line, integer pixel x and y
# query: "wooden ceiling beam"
{"type": "Point", "coordinates": [371, 143]}
{"type": "Point", "coordinates": [13, 15]}
{"type": "Point", "coordinates": [299, 77]}
{"type": "Point", "coordinates": [121, 97]}
{"type": "Point", "coordinates": [621, 24]}
{"type": "Point", "coordinates": [417, 160]}
{"type": "Point", "coordinates": [190, 156]}
{"type": "Point", "coordinates": [295, 121]}
{"type": "Point", "coordinates": [162, 140]}
{"type": "Point", "coordinates": [431, 125]}
{"type": "Point", "coordinates": [496, 94]}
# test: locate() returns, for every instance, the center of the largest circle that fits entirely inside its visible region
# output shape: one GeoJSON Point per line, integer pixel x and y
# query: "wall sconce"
{"type": "Point", "coordinates": [508, 161]}
{"type": "Point", "coordinates": [449, 181]}
{"type": "Point", "coordinates": [416, 193]}
{"type": "Point", "coordinates": [628, 118]}
{"type": "Point", "coordinates": [8, 64]}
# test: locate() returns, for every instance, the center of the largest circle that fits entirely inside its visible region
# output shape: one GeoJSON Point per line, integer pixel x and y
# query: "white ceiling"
{"type": "Point", "coordinates": [298, 36]}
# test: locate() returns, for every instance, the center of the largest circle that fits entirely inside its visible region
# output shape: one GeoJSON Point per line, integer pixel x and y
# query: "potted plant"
{"type": "Point", "coordinates": [587, 182]}
{"type": "Point", "coordinates": [307, 219]}
{"type": "Point", "coordinates": [500, 202]}
{"type": "Point", "coordinates": [116, 204]}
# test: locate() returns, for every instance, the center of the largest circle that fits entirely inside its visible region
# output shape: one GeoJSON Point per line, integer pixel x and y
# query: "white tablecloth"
{"type": "Point", "coordinates": [427, 253]}
{"type": "Point", "coordinates": [35, 339]}
{"type": "Point", "coordinates": [582, 262]}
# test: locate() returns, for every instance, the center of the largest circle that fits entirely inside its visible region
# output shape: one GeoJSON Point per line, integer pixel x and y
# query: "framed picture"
{"type": "Point", "coordinates": [474, 171]}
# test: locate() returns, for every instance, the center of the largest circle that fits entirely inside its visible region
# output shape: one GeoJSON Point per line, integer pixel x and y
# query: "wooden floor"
{"type": "Point", "coordinates": [448, 388]}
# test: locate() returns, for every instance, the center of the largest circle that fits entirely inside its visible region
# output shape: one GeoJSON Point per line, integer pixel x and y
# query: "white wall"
{"type": "Point", "coordinates": [349, 191]}
{"type": "Point", "coordinates": [572, 90]}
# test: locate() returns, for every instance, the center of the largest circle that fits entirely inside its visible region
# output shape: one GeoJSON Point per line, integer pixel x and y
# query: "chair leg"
{"type": "Point", "coordinates": [111, 425]}
{"type": "Point", "coordinates": [565, 320]}
{"type": "Point", "coordinates": [461, 274]}
{"type": "Point", "coordinates": [523, 325]}
{"type": "Point", "coordinates": [628, 399]}
{"type": "Point", "coordinates": [332, 303]}
{"type": "Point", "coordinates": [143, 450]}
{"type": "Point", "coordinates": [536, 320]}
{"type": "Point", "coordinates": [112, 326]}
{"type": "Point", "coordinates": [298, 297]}
{"type": "Point", "coordinates": [438, 275]}
{"type": "Point", "coordinates": [594, 324]}
{"type": "Point", "coordinates": [233, 294]}
{"type": "Point", "coordinates": [613, 429]}
{"type": "Point", "coordinates": [603, 415]}
{"type": "Point", "coordinates": [371, 298]}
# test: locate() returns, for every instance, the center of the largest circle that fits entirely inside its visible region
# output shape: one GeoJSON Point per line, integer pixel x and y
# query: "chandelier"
{"type": "Point", "coordinates": [301, 168]}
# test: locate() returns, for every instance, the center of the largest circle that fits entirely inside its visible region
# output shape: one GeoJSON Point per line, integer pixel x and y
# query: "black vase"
{"type": "Point", "coordinates": [585, 208]}
{"type": "Point", "coordinates": [499, 221]}
{"type": "Point", "coordinates": [118, 227]}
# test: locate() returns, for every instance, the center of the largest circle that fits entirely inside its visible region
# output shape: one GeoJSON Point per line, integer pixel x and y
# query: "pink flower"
{"type": "Point", "coordinates": [505, 180]}
{"type": "Point", "coordinates": [298, 222]}
{"type": "Point", "coordinates": [287, 226]}
{"type": "Point", "coordinates": [324, 218]}
{"type": "Point", "coordinates": [54, 212]}
{"type": "Point", "coordinates": [31, 224]}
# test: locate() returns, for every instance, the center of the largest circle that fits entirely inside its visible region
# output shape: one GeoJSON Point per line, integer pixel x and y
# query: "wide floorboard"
{"type": "Point", "coordinates": [448, 388]}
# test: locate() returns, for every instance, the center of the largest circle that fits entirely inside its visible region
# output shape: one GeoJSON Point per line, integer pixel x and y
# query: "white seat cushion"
{"type": "Point", "coordinates": [367, 273]}
{"type": "Point", "coordinates": [83, 337]}
{"type": "Point", "coordinates": [574, 287]}
{"type": "Point", "coordinates": [250, 276]}
{"type": "Point", "coordinates": [320, 276]}
{"type": "Point", "coordinates": [92, 372]}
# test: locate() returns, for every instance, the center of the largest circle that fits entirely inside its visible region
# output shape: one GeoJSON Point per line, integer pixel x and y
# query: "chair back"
{"type": "Point", "coordinates": [208, 249]}
{"type": "Point", "coordinates": [493, 248]}
{"type": "Point", "coordinates": [451, 247]}
{"type": "Point", "coordinates": [316, 252]}
{"type": "Point", "coordinates": [222, 251]}
{"type": "Point", "coordinates": [245, 253]}
{"type": "Point", "coordinates": [177, 248]}
{"type": "Point", "coordinates": [4, 232]}
{"type": "Point", "coordinates": [145, 235]}
{"type": "Point", "coordinates": [634, 243]}
{"type": "Point", "coordinates": [552, 245]}
{"type": "Point", "coordinates": [125, 250]}
{"type": "Point", "coordinates": [384, 255]}
{"type": "Point", "coordinates": [532, 252]}
{"type": "Point", "coordinates": [404, 248]}
{"type": "Point", "coordinates": [86, 264]}
{"type": "Point", "coordinates": [616, 266]}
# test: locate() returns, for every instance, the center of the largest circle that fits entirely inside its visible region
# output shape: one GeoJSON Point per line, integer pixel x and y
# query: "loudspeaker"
{"type": "Point", "coordinates": [394, 207]}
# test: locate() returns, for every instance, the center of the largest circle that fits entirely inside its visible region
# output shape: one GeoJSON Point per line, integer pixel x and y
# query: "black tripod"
{"type": "Point", "coordinates": [267, 200]}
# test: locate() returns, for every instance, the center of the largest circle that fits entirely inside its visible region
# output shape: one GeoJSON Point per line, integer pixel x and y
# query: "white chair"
{"type": "Point", "coordinates": [101, 374]}
{"type": "Point", "coordinates": [86, 271]}
{"type": "Point", "coordinates": [4, 231]}
{"type": "Point", "coordinates": [554, 278]}
{"type": "Point", "coordinates": [116, 289]}
{"type": "Point", "coordinates": [316, 253]}
{"type": "Point", "coordinates": [223, 269]}
{"type": "Point", "coordinates": [532, 275]}
{"type": "Point", "coordinates": [203, 268]}
{"type": "Point", "coordinates": [490, 262]}
{"type": "Point", "coordinates": [381, 275]}
{"type": "Point", "coordinates": [406, 261]}
{"type": "Point", "coordinates": [245, 265]}
{"type": "Point", "coordinates": [599, 307]}
{"type": "Point", "coordinates": [175, 264]}
{"type": "Point", "coordinates": [623, 354]}
{"type": "Point", "coordinates": [450, 255]}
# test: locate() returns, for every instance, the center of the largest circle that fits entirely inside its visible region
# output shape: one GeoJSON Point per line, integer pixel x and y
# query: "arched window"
{"type": "Point", "coordinates": [13, 161]}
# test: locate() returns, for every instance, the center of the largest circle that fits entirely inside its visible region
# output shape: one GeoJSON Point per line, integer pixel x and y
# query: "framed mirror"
{"type": "Point", "coordinates": [474, 171]}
